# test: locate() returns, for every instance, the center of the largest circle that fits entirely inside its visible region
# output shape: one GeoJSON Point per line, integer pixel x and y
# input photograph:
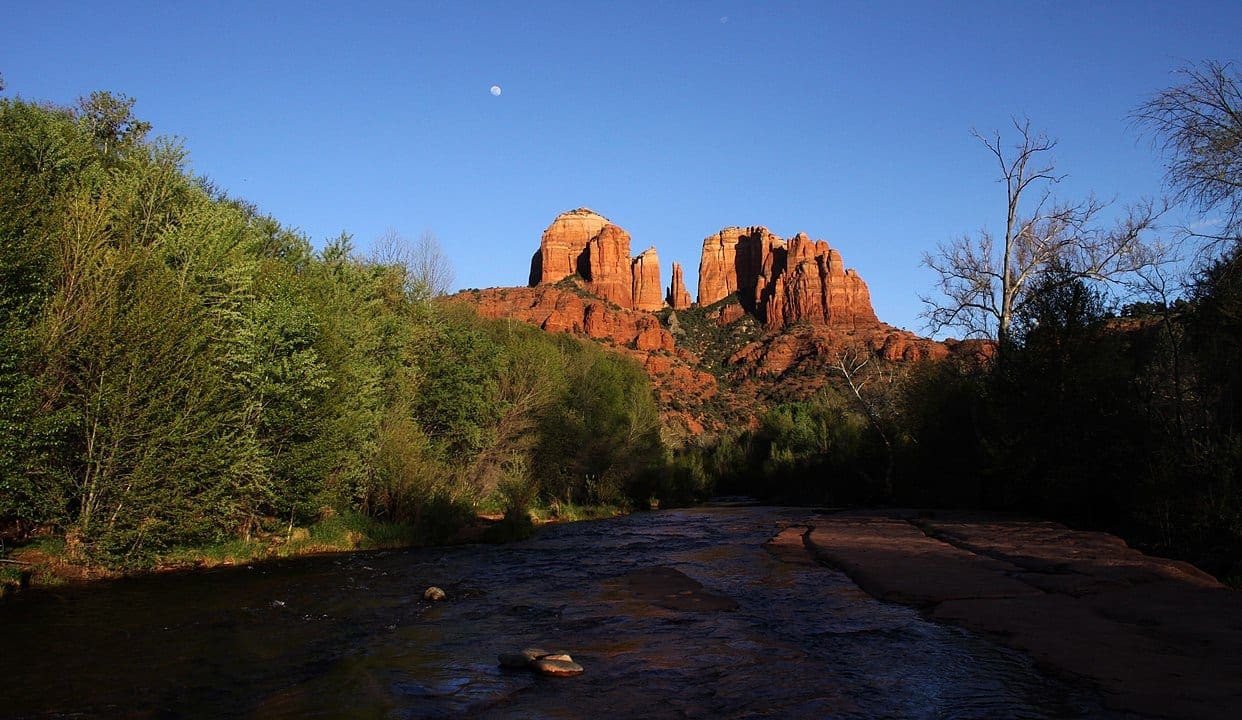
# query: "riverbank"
{"type": "Point", "coordinates": [53, 560]}
{"type": "Point", "coordinates": [1157, 637]}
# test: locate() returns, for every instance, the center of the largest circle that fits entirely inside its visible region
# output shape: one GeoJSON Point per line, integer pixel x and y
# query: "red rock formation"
{"type": "Point", "coordinates": [557, 310]}
{"type": "Point", "coordinates": [816, 288]}
{"type": "Point", "coordinates": [608, 263]}
{"type": "Point", "coordinates": [733, 262]}
{"type": "Point", "coordinates": [646, 279]}
{"type": "Point", "coordinates": [782, 284]}
{"type": "Point", "coordinates": [718, 266]}
{"type": "Point", "coordinates": [678, 298]}
{"type": "Point", "coordinates": [562, 248]}
{"type": "Point", "coordinates": [584, 242]}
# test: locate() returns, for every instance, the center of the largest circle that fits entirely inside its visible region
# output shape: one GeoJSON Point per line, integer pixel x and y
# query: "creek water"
{"type": "Point", "coordinates": [349, 636]}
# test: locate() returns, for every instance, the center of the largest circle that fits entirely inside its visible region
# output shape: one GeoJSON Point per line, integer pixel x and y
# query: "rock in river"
{"type": "Point", "coordinates": [434, 594]}
{"type": "Point", "coordinates": [521, 660]}
{"type": "Point", "coordinates": [557, 668]}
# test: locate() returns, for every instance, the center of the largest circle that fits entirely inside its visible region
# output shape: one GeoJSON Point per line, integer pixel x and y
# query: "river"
{"type": "Point", "coordinates": [349, 636]}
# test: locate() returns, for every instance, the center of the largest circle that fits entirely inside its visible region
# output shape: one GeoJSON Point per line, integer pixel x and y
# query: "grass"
{"type": "Point", "coordinates": [340, 533]}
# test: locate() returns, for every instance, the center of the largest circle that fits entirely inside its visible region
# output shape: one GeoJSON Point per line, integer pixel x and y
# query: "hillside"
{"type": "Point", "coordinates": [772, 317]}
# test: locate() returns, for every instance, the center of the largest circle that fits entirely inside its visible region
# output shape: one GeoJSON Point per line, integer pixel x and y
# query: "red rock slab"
{"type": "Point", "coordinates": [894, 560]}
{"type": "Point", "coordinates": [1174, 656]}
{"type": "Point", "coordinates": [1157, 637]}
{"type": "Point", "coordinates": [1052, 548]}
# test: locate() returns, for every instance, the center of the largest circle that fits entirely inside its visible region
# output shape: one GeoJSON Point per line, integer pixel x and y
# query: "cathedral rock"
{"type": "Point", "coordinates": [585, 243]}
{"type": "Point", "coordinates": [779, 282]}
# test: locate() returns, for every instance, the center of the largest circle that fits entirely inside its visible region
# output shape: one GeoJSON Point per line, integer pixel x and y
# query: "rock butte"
{"type": "Point", "coordinates": [584, 243]}
{"type": "Point", "coordinates": [807, 305]}
{"type": "Point", "coordinates": [780, 283]}
{"type": "Point", "coordinates": [783, 283]}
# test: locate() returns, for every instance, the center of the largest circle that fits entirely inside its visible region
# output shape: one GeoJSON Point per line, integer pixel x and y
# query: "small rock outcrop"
{"type": "Point", "coordinates": [678, 298]}
{"type": "Point", "coordinates": [557, 664]}
{"type": "Point", "coordinates": [585, 243]}
{"type": "Point", "coordinates": [434, 594]}
{"type": "Point", "coordinates": [674, 325]}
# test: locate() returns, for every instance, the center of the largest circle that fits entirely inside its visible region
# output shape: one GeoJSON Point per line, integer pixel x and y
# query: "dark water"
{"type": "Point", "coordinates": [350, 636]}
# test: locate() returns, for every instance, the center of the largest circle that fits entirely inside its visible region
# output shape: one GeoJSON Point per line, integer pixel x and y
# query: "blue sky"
{"type": "Point", "coordinates": [847, 120]}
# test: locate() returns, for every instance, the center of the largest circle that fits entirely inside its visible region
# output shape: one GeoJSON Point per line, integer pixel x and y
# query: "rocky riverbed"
{"type": "Point", "coordinates": [703, 613]}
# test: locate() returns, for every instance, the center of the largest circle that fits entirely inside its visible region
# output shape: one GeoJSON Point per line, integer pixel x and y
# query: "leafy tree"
{"type": "Point", "coordinates": [110, 122]}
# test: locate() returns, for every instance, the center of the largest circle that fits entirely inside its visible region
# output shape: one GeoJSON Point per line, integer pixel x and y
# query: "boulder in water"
{"type": "Point", "coordinates": [557, 668]}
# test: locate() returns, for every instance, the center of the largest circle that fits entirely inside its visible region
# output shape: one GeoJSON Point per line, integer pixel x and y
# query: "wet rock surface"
{"type": "Point", "coordinates": [705, 613]}
{"type": "Point", "coordinates": [1158, 637]}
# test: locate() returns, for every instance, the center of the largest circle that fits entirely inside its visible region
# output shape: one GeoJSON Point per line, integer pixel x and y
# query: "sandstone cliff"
{"type": "Point", "coordinates": [646, 278]}
{"type": "Point", "coordinates": [678, 298]}
{"type": "Point", "coordinates": [783, 283]}
{"type": "Point", "coordinates": [585, 243]}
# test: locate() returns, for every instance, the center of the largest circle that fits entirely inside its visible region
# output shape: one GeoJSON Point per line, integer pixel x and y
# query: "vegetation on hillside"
{"type": "Point", "coordinates": [177, 369]}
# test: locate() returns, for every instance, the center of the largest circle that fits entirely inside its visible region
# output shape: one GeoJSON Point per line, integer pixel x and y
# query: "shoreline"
{"type": "Point", "coordinates": [33, 566]}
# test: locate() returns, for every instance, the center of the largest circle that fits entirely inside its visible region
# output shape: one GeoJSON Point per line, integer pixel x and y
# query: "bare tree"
{"type": "Point", "coordinates": [1198, 124]}
{"type": "Point", "coordinates": [986, 280]}
{"type": "Point", "coordinates": [852, 363]}
{"type": "Point", "coordinates": [428, 271]}
{"type": "Point", "coordinates": [431, 266]}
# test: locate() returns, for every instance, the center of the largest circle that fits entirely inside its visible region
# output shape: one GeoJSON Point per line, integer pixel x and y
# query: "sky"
{"type": "Point", "coordinates": [850, 121]}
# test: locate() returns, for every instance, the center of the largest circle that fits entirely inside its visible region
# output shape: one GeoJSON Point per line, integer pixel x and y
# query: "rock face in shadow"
{"type": "Point", "coordinates": [584, 243]}
{"type": "Point", "coordinates": [739, 260]}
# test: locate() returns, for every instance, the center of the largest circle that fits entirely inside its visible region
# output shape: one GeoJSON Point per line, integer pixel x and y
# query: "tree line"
{"type": "Point", "coordinates": [178, 369]}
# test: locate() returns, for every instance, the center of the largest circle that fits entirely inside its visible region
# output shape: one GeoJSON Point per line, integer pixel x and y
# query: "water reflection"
{"type": "Point", "coordinates": [679, 614]}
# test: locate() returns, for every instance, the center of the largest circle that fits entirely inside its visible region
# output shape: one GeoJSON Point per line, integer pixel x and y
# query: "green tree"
{"type": "Point", "coordinates": [110, 122]}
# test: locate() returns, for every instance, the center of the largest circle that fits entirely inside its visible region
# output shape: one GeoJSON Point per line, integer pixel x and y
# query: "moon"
{"type": "Point", "coordinates": [495, 90]}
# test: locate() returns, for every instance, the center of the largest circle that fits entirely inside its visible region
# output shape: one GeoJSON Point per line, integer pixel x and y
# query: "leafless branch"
{"type": "Point", "coordinates": [985, 281]}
